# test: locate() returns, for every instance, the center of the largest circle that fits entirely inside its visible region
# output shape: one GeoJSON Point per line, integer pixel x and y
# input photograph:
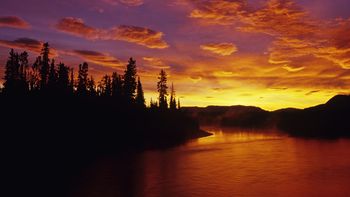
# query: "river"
{"type": "Point", "coordinates": [233, 163]}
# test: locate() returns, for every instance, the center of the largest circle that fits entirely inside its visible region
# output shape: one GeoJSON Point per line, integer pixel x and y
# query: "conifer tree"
{"type": "Point", "coordinates": [140, 98]}
{"type": "Point", "coordinates": [106, 86]}
{"type": "Point", "coordinates": [117, 85]}
{"type": "Point", "coordinates": [44, 66]}
{"type": "Point", "coordinates": [153, 104]}
{"type": "Point", "coordinates": [130, 81]}
{"type": "Point", "coordinates": [24, 64]}
{"type": "Point", "coordinates": [162, 89]}
{"type": "Point", "coordinates": [82, 79]}
{"type": "Point", "coordinates": [11, 73]}
{"type": "Point", "coordinates": [63, 79]}
{"type": "Point", "coordinates": [91, 87]}
{"type": "Point", "coordinates": [172, 98]}
{"type": "Point", "coordinates": [16, 74]}
{"type": "Point", "coordinates": [52, 79]}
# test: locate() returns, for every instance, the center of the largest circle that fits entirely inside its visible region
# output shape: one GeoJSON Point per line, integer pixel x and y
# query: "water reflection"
{"type": "Point", "coordinates": [227, 135]}
{"type": "Point", "coordinates": [226, 164]}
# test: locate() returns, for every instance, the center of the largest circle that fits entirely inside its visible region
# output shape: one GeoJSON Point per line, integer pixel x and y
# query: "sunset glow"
{"type": "Point", "coordinates": [267, 53]}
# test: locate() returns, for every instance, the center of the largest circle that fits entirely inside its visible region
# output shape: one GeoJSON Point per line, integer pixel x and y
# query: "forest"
{"type": "Point", "coordinates": [45, 78]}
{"type": "Point", "coordinates": [45, 102]}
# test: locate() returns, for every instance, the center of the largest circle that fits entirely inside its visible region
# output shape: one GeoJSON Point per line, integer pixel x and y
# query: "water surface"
{"type": "Point", "coordinates": [225, 164]}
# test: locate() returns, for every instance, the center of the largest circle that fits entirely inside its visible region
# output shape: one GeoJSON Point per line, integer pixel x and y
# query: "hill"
{"type": "Point", "coordinates": [231, 116]}
{"type": "Point", "coordinates": [329, 120]}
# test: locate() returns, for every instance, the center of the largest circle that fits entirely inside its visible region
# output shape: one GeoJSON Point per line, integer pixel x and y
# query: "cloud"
{"type": "Point", "coordinates": [132, 2]}
{"type": "Point", "coordinates": [291, 50]}
{"type": "Point", "coordinates": [98, 58]}
{"type": "Point", "coordinates": [77, 27]}
{"type": "Point", "coordinates": [155, 63]}
{"type": "Point", "coordinates": [138, 35]}
{"type": "Point", "coordinates": [195, 79]}
{"type": "Point", "coordinates": [27, 44]}
{"type": "Point", "coordinates": [293, 69]}
{"type": "Point", "coordinates": [222, 12]}
{"type": "Point", "coordinates": [35, 46]}
{"type": "Point", "coordinates": [23, 43]}
{"type": "Point", "coordinates": [125, 2]}
{"type": "Point", "coordinates": [298, 36]}
{"type": "Point", "coordinates": [223, 49]}
{"type": "Point", "coordinates": [278, 18]}
{"type": "Point", "coordinates": [312, 92]}
{"type": "Point", "coordinates": [14, 22]}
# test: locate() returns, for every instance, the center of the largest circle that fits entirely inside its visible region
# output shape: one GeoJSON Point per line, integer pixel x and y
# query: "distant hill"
{"type": "Point", "coordinates": [329, 120]}
{"type": "Point", "coordinates": [231, 116]}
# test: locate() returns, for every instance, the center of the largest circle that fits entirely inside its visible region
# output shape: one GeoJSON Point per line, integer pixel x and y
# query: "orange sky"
{"type": "Point", "coordinates": [268, 53]}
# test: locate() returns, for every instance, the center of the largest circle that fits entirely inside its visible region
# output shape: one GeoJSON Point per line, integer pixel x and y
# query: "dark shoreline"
{"type": "Point", "coordinates": [325, 121]}
{"type": "Point", "coordinates": [46, 147]}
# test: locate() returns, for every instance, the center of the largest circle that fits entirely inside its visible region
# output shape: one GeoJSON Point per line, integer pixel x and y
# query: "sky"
{"type": "Point", "coordinates": [267, 53]}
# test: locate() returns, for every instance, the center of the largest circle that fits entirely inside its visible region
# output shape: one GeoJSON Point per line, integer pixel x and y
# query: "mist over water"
{"type": "Point", "coordinates": [235, 163]}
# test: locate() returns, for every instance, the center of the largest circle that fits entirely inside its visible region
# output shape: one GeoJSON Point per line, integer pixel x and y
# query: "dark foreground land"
{"type": "Point", "coordinates": [327, 121]}
{"type": "Point", "coordinates": [47, 139]}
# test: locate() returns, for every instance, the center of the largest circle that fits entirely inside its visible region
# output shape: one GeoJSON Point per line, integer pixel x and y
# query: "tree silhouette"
{"type": "Point", "coordinates": [130, 81]}
{"type": "Point", "coordinates": [83, 79]}
{"type": "Point", "coordinates": [44, 66]}
{"type": "Point", "coordinates": [162, 89]}
{"type": "Point", "coordinates": [34, 75]}
{"type": "Point", "coordinates": [117, 85]}
{"type": "Point", "coordinates": [63, 79]}
{"type": "Point", "coordinates": [91, 86]}
{"type": "Point", "coordinates": [172, 98]}
{"type": "Point", "coordinates": [11, 73]}
{"type": "Point", "coordinates": [52, 79]}
{"type": "Point", "coordinates": [59, 80]}
{"type": "Point", "coordinates": [140, 98]}
{"type": "Point", "coordinates": [105, 86]}
{"type": "Point", "coordinates": [23, 75]}
{"type": "Point", "coordinates": [153, 104]}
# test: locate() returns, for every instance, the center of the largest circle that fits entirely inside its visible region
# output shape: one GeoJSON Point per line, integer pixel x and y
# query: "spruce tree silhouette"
{"type": "Point", "coordinates": [11, 73]}
{"type": "Point", "coordinates": [117, 86]}
{"type": "Point", "coordinates": [16, 74]}
{"type": "Point", "coordinates": [63, 80]}
{"type": "Point", "coordinates": [106, 86]}
{"type": "Point", "coordinates": [91, 86]}
{"type": "Point", "coordinates": [23, 72]}
{"type": "Point", "coordinates": [153, 104]}
{"type": "Point", "coordinates": [130, 81]}
{"type": "Point", "coordinates": [83, 79]}
{"type": "Point", "coordinates": [172, 98]}
{"type": "Point", "coordinates": [52, 79]}
{"type": "Point", "coordinates": [162, 89]}
{"type": "Point", "coordinates": [140, 98]}
{"type": "Point", "coordinates": [44, 66]}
